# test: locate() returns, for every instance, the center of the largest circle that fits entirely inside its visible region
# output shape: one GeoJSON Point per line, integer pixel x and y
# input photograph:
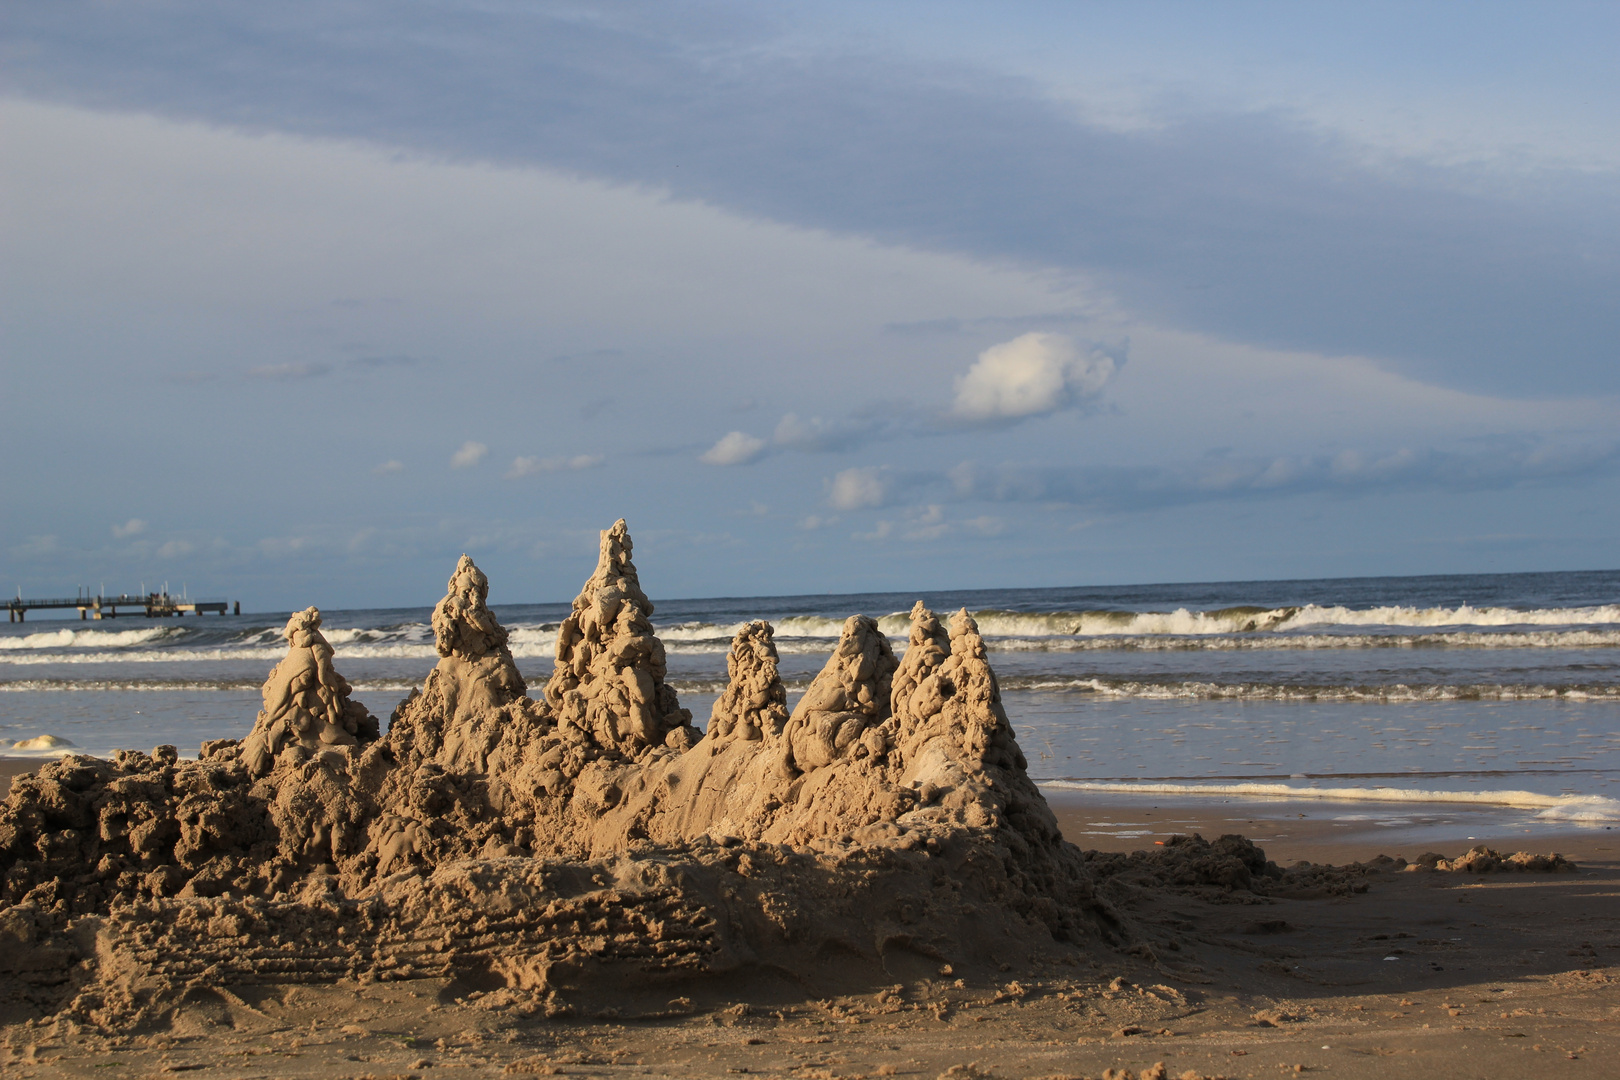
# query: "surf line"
{"type": "Point", "coordinates": [1550, 807]}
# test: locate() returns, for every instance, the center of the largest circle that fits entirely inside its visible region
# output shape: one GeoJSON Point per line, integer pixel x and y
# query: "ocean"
{"type": "Point", "coordinates": [1498, 691]}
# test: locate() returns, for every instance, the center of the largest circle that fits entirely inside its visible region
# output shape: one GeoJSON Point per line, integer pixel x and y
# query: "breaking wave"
{"type": "Point", "coordinates": [88, 639]}
{"type": "Point", "coordinates": [1193, 690]}
{"type": "Point", "coordinates": [1306, 627]}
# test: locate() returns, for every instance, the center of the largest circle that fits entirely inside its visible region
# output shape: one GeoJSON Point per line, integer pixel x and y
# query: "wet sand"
{"type": "Point", "coordinates": [1324, 832]}
{"type": "Point", "coordinates": [11, 766]}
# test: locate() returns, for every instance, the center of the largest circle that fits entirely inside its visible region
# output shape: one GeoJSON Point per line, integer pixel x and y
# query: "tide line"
{"type": "Point", "coordinates": [1572, 808]}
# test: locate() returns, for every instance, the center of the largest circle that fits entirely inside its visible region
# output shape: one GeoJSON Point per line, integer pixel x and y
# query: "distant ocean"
{"type": "Point", "coordinates": [1490, 690]}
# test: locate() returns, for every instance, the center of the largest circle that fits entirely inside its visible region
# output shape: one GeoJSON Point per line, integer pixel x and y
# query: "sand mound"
{"type": "Point", "coordinates": [1484, 860]}
{"type": "Point", "coordinates": [558, 851]}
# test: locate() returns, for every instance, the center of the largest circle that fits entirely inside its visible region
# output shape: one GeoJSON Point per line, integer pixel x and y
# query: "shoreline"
{"type": "Point", "coordinates": [1323, 831]}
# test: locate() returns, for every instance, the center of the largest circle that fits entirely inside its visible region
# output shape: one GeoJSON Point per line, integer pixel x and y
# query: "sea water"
{"type": "Point", "coordinates": [1465, 690]}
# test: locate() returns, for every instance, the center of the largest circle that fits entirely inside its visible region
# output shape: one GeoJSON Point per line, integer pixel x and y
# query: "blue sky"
{"type": "Point", "coordinates": [299, 302]}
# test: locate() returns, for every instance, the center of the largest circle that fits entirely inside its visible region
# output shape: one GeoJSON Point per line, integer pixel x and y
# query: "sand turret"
{"type": "Point", "coordinates": [472, 712]}
{"type": "Point", "coordinates": [306, 702]}
{"type": "Point", "coordinates": [754, 702]}
{"type": "Point", "coordinates": [849, 697]}
{"type": "Point", "coordinates": [928, 647]}
{"type": "Point", "coordinates": [609, 678]}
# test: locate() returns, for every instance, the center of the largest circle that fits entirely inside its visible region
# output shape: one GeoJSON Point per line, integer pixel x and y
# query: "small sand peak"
{"type": "Point", "coordinates": [754, 702]}
{"type": "Point", "coordinates": [306, 702]}
{"type": "Point", "coordinates": [609, 676]}
{"type": "Point", "coordinates": [462, 622]}
{"type": "Point", "coordinates": [927, 648]}
{"type": "Point", "coordinates": [849, 696]}
{"type": "Point", "coordinates": [458, 719]}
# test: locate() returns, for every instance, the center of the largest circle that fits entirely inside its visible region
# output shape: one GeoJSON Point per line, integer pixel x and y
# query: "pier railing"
{"type": "Point", "coordinates": [153, 605]}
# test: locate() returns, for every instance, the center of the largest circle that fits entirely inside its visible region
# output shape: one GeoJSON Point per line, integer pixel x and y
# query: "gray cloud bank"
{"type": "Point", "coordinates": [1245, 225]}
{"type": "Point", "coordinates": [1486, 465]}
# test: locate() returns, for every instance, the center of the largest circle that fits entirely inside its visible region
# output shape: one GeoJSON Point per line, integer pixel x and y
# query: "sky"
{"type": "Point", "coordinates": [298, 302]}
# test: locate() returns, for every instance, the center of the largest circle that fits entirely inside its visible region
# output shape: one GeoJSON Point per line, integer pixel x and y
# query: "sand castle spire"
{"type": "Point", "coordinates": [475, 693]}
{"type": "Point", "coordinates": [754, 702]}
{"type": "Point", "coordinates": [609, 678]}
{"type": "Point", "coordinates": [849, 696]}
{"type": "Point", "coordinates": [959, 700]}
{"type": "Point", "coordinates": [306, 702]}
{"type": "Point", "coordinates": [927, 649]}
{"type": "Point", "coordinates": [462, 622]}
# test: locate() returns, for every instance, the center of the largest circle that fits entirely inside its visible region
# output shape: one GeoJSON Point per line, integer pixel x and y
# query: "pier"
{"type": "Point", "coordinates": [153, 605]}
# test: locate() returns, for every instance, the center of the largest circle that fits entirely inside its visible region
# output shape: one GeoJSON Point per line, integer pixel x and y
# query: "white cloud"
{"type": "Point", "coordinates": [173, 549]}
{"type": "Point", "coordinates": [36, 546]}
{"type": "Point", "coordinates": [1030, 375]}
{"type": "Point", "coordinates": [132, 527]}
{"type": "Point", "coordinates": [854, 489]}
{"type": "Point", "coordinates": [389, 466]}
{"type": "Point", "coordinates": [470, 454]}
{"type": "Point", "coordinates": [531, 466]}
{"type": "Point", "coordinates": [734, 448]}
{"type": "Point", "coordinates": [927, 523]}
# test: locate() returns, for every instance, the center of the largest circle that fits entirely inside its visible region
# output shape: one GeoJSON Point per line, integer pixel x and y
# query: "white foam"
{"type": "Point", "coordinates": [88, 639]}
{"type": "Point", "coordinates": [1465, 615]}
{"type": "Point", "coordinates": [1575, 808]}
{"type": "Point", "coordinates": [1192, 690]}
{"type": "Point", "coordinates": [1463, 639]}
{"type": "Point", "coordinates": [37, 746]}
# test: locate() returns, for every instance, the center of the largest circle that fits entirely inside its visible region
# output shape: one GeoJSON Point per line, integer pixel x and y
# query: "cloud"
{"type": "Point", "coordinates": [927, 523]}
{"type": "Point", "coordinates": [36, 547]}
{"type": "Point", "coordinates": [1482, 465]}
{"type": "Point", "coordinates": [533, 466]}
{"type": "Point", "coordinates": [384, 363]}
{"type": "Point", "coordinates": [1255, 224]}
{"type": "Point", "coordinates": [734, 448]}
{"type": "Point", "coordinates": [389, 467]}
{"type": "Point", "coordinates": [132, 527]}
{"type": "Point", "coordinates": [470, 454]}
{"type": "Point", "coordinates": [289, 372]}
{"type": "Point", "coordinates": [816, 435]}
{"type": "Point", "coordinates": [858, 489]}
{"type": "Point", "coordinates": [1031, 375]}
{"type": "Point", "coordinates": [174, 548]}
{"type": "Point", "coordinates": [881, 531]}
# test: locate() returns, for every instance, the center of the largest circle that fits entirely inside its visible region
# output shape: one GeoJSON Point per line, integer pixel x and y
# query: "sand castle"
{"type": "Point", "coordinates": [576, 851]}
